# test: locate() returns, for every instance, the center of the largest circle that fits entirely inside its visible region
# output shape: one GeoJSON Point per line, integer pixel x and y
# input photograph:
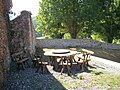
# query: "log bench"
{"type": "Point", "coordinates": [84, 58]}
{"type": "Point", "coordinates": [21, 59]}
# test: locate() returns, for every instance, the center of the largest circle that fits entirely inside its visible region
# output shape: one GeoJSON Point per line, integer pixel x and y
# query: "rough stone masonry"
{"type": "Point", "coordinates": [5, 6]}
{"type": "Point", "coordinates": [15, 35]}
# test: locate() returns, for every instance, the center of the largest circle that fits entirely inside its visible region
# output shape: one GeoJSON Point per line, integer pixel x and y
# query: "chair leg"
{"type": "Point", "coordinates": [18, 66]}
{"type": "Point", "coordinates": [45, 69]}
{"type": "Point", "coordinates": [38, 69]}
{"type": "Point", "coordinates": [62, 69]}
{"type": "Point", "coordinates": [42, 68]}
{"type": "Point", "coordinates": [23, 66]}
{"type": "Point", "coordinates": [69, 70]}
{"type": "Point", "coordinates": [87, 63]}
{"type": "Point", "coordinates": [83, 67]}
{"type": "Point", "coordinates": [51, 61]}
{"type": "Point", "coordinates": [34, 63]}
{"type": "Point", "coordinates": [27, 63]}
{"type": "Point", "coordinates": [74, 60]}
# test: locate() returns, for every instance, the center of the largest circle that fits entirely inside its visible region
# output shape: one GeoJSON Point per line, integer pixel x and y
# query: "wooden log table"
{"type": "Point", "coordinates": [64, 54]}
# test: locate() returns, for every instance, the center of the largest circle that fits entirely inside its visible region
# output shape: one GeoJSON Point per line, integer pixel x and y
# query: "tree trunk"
{"type": "Point", "coordinates": [73, 31]}
{"type": "Point", "coordinates": [73, 36]}
{"type": "Point", "coordinates": [89, 35]}
{"type": "Point", "coordinates": [109, 39]}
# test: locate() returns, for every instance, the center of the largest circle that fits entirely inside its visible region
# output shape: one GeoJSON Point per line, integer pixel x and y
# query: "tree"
{"type": "Point", "coordinates": [47, 25]}
{"type": "Point", "coordinates": [57, 17]}
{"type": "Point", "coordinates": [66, 16]}
{"type": "Point", "coordinates": [110, 21]}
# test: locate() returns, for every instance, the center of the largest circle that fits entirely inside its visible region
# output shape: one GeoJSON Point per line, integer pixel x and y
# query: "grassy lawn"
{"type": "Point", "coordinates": [95, 79]}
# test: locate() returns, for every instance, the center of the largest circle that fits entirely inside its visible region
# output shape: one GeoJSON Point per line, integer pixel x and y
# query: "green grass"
{"type": "Point", "coordinates": [100, 78]}
{"type": "Point", "coordinates": [104, 79]}
{"type": "Point", "coordinates": [108, 80]}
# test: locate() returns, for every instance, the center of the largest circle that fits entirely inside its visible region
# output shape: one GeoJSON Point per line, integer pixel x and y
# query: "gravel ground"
{"type": "Point", "coordinates": [28, 79]}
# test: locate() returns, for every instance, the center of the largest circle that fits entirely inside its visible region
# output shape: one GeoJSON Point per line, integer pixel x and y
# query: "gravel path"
{"type": "Point", "coordinates": [28, 79]}
{"type": "Point", "coordinates": [108, 65]}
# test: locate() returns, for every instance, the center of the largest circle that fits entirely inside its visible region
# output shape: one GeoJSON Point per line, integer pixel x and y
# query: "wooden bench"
{"type": "Point", "coordinates": [87, 54]}
{"type": "Point", "coordinates": [21, 59]}
{"type": "Point", "coordinates": [84, 58]}
{"type": "Point", "coordinates": [72, 56]}
{"type": "Point", "coordinates": [37, 61]}
{"type": "Point", "coordinates": [88, 51]}
{"type": "Point", "coordinates": [41, 64]}
{"type": "Point", "coordinates": [65, 63]}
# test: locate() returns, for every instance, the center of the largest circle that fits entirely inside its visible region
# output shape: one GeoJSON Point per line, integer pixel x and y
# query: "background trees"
{"type": "Point", "coordinates": [110, 20]}
{"type": "Point", "coordinates": [80, 18]}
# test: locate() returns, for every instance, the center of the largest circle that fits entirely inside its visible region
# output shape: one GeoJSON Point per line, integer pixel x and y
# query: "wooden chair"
{"type": "Point", "coordinates": [33, 58]}
{"type": "Point", "coordinates": [41, 64]}
{"type": "Point", "coordinates": [82, 61]}
{"type": "Point", "coordinates": [72, 59]}
{"type": "Point", "coordinates": [84, 58]}
{"type": "Point", "coordinates": [37, 61]}
{"type": "Point", "coordinates": [65, 62]}
{"type": "Point", "coordinates": [87, 55]}
{"type": "Point", "coordinates": [21, 59]}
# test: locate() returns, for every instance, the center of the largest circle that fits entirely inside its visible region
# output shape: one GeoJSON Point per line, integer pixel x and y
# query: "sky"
{"type": "Point", "coordinates": [29, 5]}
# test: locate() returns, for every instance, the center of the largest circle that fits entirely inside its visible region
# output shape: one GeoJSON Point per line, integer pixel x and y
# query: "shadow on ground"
{"type": "Point", "coordinates": [28, 79]}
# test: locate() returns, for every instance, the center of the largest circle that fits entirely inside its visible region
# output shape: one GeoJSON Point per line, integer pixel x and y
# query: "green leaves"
{"type": "Point", "coordinates": [79, 16]}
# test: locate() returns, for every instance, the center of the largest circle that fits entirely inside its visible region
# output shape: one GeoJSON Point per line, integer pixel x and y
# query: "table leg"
{"type": "Point", "coordinates": [51, 60]}
{"type": "Point", "coordinates": [62, 69]}
{"type": "Point", "coordinates": [68, 67]}
{"type": "Point", "coordinates": [55, 65]}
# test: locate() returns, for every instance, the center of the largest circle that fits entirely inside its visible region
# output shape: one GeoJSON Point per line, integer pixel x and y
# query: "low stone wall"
{"type": "Point", "coordinates": [65, 43]}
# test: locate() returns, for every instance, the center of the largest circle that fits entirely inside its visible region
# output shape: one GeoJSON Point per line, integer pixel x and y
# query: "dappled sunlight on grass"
{"type": "Point", "coordinates": [99, 79]}
{"type": "Point", "coordinates": [103, 79]}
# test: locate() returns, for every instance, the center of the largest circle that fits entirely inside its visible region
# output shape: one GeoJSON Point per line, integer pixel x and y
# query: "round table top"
{"type": "Point", "coordinates": [60, 52]}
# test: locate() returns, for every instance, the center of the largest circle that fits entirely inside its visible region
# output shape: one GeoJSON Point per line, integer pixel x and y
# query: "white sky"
{"type": "Point", "coordinates": [29, 5]}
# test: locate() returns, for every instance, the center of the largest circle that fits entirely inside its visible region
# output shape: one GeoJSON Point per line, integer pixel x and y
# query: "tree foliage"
{"type": "Point", "coordinates": [67, 16]}
{"type": "Point", "coordinates": [110, 20]}
{"type": "Point", "coordinates": [79, 17]}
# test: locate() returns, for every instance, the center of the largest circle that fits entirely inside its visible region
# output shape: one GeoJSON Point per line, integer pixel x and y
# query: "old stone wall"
{"type": "Point", "coordinates": [65, 43]}
{"type": "Point", "coordinates": [23, 33]}
{"type": "Point", "coordinates": [4, 50]}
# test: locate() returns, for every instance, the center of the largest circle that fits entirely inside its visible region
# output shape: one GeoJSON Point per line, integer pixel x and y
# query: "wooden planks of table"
{"type": "Point", "coordinates": [64, 54]}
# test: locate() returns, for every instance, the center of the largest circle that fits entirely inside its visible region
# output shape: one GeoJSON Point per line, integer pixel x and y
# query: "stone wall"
{"type": "Point", "coordinates": [4, 50]}
{"type": "Point", "coordinates": [8, 4]}
{"type": "Point", "coordinates": [65, 43]}
{"type": "Point", "coordinates": [23, 33]}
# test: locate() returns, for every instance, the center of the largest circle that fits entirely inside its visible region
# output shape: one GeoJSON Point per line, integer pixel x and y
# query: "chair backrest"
{"type": "Point", "coordinates": [73, 49]}
{"type": "Point", "coordinates": [87, 51]}
{"type": "Point", "coordinates": [47, 49]}
{"type": "Point", "coordinates": [17, 56]}
{"type": "Point", "coordinates": [38, 57]}
{"type": "Point", "coordinates": [28, 54]}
